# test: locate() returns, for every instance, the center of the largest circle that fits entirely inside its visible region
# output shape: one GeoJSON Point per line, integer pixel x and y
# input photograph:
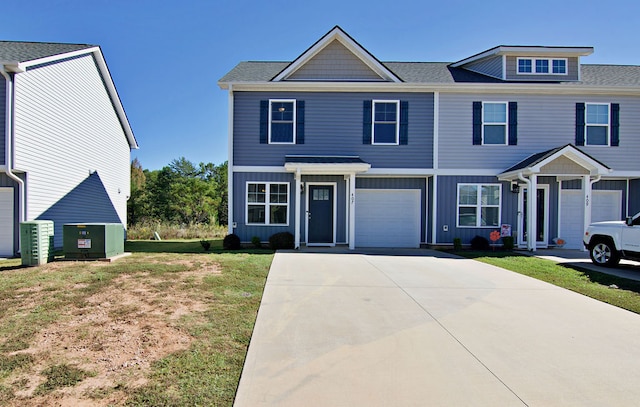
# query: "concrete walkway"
{"type": "Point", "coordinates": [428, 329]}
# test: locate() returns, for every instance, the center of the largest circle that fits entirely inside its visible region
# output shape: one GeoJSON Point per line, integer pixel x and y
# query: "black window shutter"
{"type": "Point", "coordinates": [300, 122]}
{"type": "Point", "coordinates": [513, 123]}
{"type": "Point", "coordinates": [404, 122]}
{"type": "Point", "coordinates": [615, 124]}
{"type": "Point", "coordinates": [579, 124]}
{"type": "Point", "coordinates": [477, 123]}
{"type": "Point", "coordinates": [264, 121]}
{"type": "Point", "coordinates": [366, 122]}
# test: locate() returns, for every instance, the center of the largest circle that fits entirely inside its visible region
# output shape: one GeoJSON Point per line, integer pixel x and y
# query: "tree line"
{"type": "Point", "coordinates": [180, 192]}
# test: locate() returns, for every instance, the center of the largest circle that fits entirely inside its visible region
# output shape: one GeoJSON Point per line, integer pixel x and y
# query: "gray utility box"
{"type": "Point", "coordinates": [36, 242]}
{"type": "Point", "coordinates": [92, 240]}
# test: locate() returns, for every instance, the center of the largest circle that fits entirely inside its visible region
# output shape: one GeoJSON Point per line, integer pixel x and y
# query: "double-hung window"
{"type": "Point", "coordinates": [386, 114]}
{"type": "Point", "coordinates": [479, 205]}
{"type": "Point", "coordinates": [597, 124]}
{"type": "Point", "coordinates": [542, 66]}
{"type": "Point", "coordinates": [282, 121]}
{"type": "Point", "coordinates": [267, 203]}
{"type": "Point", "coordinates": [494, 123]}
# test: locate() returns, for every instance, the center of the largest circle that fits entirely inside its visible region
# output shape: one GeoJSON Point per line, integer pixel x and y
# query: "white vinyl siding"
{"type": "Point", "coordinates": [6, 222]}
{"type": "Point", "coordinates": [387, 218]}
{"type": "Point", "coordinates": [66, 128]}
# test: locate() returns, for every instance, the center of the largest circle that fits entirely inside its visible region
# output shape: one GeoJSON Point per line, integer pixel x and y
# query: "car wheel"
{"type": "Point", "coordinates": [603, 253]}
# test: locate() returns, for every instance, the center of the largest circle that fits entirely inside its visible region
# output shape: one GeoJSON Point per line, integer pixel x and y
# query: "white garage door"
{"type": "Point", "coordinates": [387, 218]}
{"type": "Point", "coordinates": [607, 205]}
{"type": "Point", "coordinates": [6, 221]}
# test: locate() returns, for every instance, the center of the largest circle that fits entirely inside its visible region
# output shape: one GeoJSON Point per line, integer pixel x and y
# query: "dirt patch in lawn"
{"type": "Point", "coordinates": [113, 335]}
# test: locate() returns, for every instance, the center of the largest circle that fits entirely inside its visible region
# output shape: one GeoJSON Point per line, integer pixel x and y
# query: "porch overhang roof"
{"type": "Point", "coordinates": [325, 165]}
{"type": "Point", "coordinates": [534, 163]}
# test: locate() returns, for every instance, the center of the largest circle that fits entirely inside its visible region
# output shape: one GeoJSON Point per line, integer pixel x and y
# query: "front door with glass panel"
{"type": "Point", "coordinates": [320, 215]}
{"type": "Point", "coordinates": [542, 215]}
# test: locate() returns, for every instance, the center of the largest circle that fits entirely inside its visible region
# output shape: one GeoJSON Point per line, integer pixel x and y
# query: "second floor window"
{"type": "Point", "coordinates": [494, 123]}
{"type": "Point", "coordinates": [597, 125]}
{"type": "Point", "coordinates": [282, 121]}
{"type": "Point", "coordinates": [385, 121]}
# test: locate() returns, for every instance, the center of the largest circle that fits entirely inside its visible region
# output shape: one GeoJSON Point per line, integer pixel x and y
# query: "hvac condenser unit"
{"type": "Point", "coordinates": [92, 240]}
{"type": "Point", "coordinates": [36, 242]}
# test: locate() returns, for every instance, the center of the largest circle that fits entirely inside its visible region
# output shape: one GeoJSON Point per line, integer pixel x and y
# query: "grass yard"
{"type": "Point", "coordinates": [590, 283]}
{"type": "Point", "coordinates": [168, 325]}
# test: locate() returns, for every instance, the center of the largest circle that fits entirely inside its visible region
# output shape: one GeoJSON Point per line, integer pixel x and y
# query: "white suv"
{"type": "Point", "coordinates": [608, 242]}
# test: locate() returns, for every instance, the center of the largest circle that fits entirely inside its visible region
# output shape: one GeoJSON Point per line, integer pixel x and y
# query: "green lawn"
{"type": "Point", "coordinates": [590, 283]}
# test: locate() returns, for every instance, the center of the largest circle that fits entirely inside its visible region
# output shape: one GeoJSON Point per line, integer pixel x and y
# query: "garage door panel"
{"type": "Point", "coordinates": [6, 221]}
{"type": "Point", "coordinates": [606, 205]}
{"type": "Point", "coordinates": [387, 218]}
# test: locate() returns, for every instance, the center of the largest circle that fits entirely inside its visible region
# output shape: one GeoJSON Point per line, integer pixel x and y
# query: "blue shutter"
{"type": "Point", "coordinates": [513, 123]}
{"type": "Point", "coordinates": [404, 122]}
{"type": "Point", "coordinates": [579, 124]}
{"type": "Point", "coordinates": [264, 121]}
{"type": "Point", "coordinates": [615, 124]}
{"type": "Point", "coordinates": [300, 122]}
{"type": "Point", "coordinates": [366, 122]}
{"type": "Point", "coordinates": [477, 123]}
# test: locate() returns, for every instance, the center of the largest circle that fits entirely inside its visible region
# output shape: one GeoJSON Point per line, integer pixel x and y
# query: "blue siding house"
{"type": "Point", "coordinates": [339, 148]}
{"type": "Point", "coordinates": [65, 140]}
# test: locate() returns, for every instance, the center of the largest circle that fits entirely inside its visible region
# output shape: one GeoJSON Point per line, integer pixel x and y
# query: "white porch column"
{"type": "Point", "coordinates": [297, 209]}
{"type": "Point", "coordinates": [532, 213]}
{"type": "Point", "coordinates": [352, 211]}
{"type": "Point", "coordinates": [587, 198]}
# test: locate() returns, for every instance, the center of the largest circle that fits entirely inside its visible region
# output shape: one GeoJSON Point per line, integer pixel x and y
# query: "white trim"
{"type": "Point", "coordinates": [504, 68]}
{"type": "Point", "coordinates": [434, 216]}
{"type": "Point", "coordinates": [258, 168]}
{"type": "Point", "coordinates": [267, 205]}
{"type": "Point", "coordinates": [545, 243]}
{"type": "Point", "coordinates": [436, 129]}
{"type": "Point", "coordinates": [587, 125]}
{"type": "Point", "coordinates": [550, 66]}
{"type": "Point", "coordinates": [327, 168]}
{"type": "Point", "coordinates": [527, 50]}
{"type": "Point", "coordinates": [293, 124]}
{"type": "Point", "coordinates": [478, 205]}
{"type": "Point", "coordinates": [335, 208]}
{"type": "Point", "coordinates": [373, 122]}
{"type": "Point", "coordinates": [352, 211]}
{"type": "Point", "coordinates": [505, 124]}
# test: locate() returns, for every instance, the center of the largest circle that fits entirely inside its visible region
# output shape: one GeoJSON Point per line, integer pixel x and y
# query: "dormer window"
{"type": "Point", "coordinates": [542, 66]}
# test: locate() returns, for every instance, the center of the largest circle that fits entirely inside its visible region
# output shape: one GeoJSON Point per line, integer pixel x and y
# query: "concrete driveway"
{"type": "Point", "coordinates": [423, 328]}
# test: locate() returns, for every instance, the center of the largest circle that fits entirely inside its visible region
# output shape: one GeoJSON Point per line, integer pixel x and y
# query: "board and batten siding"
{"type": "Point", "coordinates": [490, 66]}
{"type": "Point", "coordinates": [544, 122]}
{"type": "Point", "coordinates": [69, 141]}
{"type": "Point", "coordinates": [246, 232]}
{"type": "Point", "coordinates": [333, 126]}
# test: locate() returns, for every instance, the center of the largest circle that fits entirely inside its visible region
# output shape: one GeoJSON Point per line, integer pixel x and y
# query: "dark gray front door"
{"type": "Point", "coordinates": [320, 214]}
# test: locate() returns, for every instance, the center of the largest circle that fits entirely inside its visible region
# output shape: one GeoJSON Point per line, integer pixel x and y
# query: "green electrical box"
{"type": "Point", "coordinates": [36, 242]}
{"type": "Point", "coordinates": [92, 240]}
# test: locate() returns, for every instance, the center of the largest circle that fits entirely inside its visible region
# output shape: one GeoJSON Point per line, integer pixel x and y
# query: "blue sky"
{"type": "Point", "coordinates": [166, 57]}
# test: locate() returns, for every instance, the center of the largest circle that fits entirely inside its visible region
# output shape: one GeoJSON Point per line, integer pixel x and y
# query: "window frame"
{"type": "Point", "coordinates": [550, 62]}
{"type": "Point", "coordinates": [506, 123]}
{"type": "Point", "coordinates": [587, 124]}
{"type": "Point", "coordinates": [267, 204]}
{"type": "Point", "coordinates": [478, 205]}
{"type": "Point", "coordinates": [293, 123]}
{"type": "Point", "coordinates": [373, 122]}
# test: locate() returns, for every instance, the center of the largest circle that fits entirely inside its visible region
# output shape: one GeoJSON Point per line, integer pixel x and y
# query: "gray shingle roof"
{"type": "Point", "coordinates": [442, 73]}
{"type": "Point", "coordinates": [16, 51]}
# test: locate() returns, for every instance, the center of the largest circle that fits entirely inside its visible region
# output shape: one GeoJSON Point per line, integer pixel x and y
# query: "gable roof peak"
{"type": "Point", "coordinates": [357, 50]}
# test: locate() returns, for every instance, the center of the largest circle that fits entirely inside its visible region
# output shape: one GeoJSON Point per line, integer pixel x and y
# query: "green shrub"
{"type": "Point", "coordinates": [507, 242]}
{"type": "Point", "coordinates": [205, 245]}
{"type": "Point", "coordinates": [256, 242]}
{"type": "Point", "coordinates": [479, 243]}
{"type": "Point", "coordinates": [282, 240]}
{"type": "Point", "coordinates": [231, 242]}
{"type": "Point", "coordinates": [457, 244]}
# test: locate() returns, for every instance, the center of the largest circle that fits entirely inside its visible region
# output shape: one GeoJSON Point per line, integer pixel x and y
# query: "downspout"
{"type": "Point", "coordinates": [528, 182]}
{"type": "Point", "coordinates": [8, 138]}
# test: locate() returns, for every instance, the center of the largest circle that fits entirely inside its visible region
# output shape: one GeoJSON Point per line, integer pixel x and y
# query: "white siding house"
{"type": "Point", "coordinates": [66, 139]}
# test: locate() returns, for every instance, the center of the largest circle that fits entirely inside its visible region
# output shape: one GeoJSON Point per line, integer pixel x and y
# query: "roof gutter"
{"type": "Point", "coordinates": [8, 138]}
